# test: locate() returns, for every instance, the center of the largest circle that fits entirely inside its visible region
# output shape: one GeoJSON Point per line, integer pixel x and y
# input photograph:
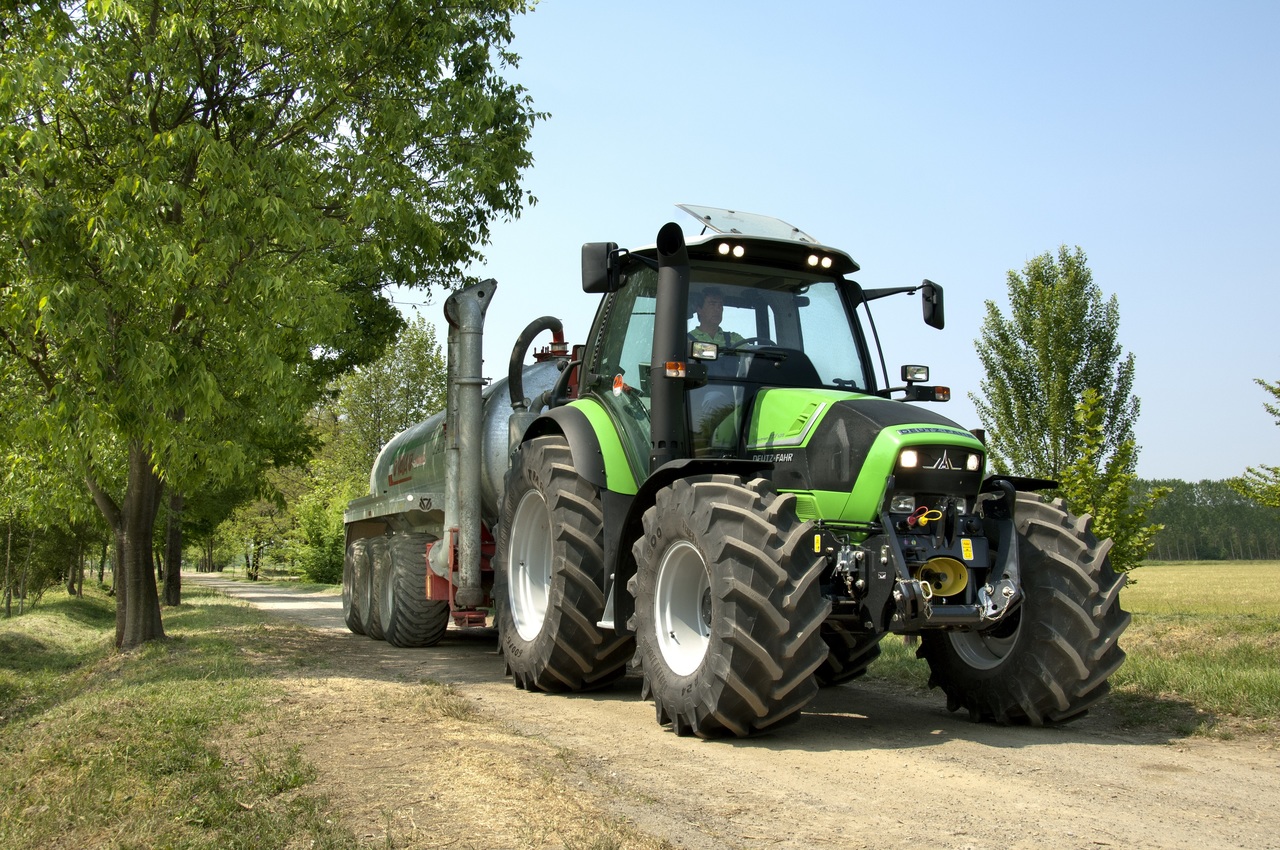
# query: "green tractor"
{"type": "Point", "coordinates": [722, 489]}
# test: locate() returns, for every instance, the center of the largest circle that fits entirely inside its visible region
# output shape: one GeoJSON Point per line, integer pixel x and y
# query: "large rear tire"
{"type": "Point", "coordinates": [1050, 660]}
{"type": "Point", "coordinates": [371, 601]}
{"type": "Point", "coordinates": [355, 580]}
{"type": "Point", "coordinates": [728, 607]}
{"type": "Point", "coordinates": [549, 575]}
{"type": "Point", "coordinates": [409, 618]}
{"type": "Point", "coordinates": [849, 654]}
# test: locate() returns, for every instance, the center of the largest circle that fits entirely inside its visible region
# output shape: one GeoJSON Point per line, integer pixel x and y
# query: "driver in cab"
{"type": "Point", "coordinates": [712, 407]}
{"type": "Point", "coordinates": [710, 312]}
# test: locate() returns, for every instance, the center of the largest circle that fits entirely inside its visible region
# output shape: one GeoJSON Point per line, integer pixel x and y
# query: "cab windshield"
{"type": "Point", "coordinates": [776, 330]}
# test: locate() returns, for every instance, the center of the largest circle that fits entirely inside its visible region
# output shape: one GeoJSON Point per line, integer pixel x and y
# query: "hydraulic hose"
{"type": "Point", "coordinates": [515, 368]}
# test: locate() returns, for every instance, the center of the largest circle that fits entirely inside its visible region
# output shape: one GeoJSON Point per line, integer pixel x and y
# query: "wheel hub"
{"type": "Point", "coordinates": [529, 570]}
{"type": "Point", "coordinates": [683, 606]}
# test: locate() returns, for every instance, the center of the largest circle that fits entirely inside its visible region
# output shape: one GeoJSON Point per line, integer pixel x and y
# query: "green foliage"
{"type": "Point", "coordinates": [1262, 483]}
{"type": "Point", "coordinates": [319, 513]}
{"type": "Point", "coordinates": [1210, 520]}
{"type": "Point", "coordinates": [1059, 339]}
{"type": "Point", "coordinates": [378, 401]}
{"type": "Point", "coordinates": [1104, 487]}
{"type": "Point", "coordinates": [200, 211]}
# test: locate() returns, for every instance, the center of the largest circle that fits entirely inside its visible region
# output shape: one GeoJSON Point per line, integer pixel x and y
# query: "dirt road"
{"type": "Point", "coordinates": [865, 767]}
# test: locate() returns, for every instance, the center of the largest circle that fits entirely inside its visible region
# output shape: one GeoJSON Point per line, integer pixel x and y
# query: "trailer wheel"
{"type": "Point", "coordinates": [728, 607]}
{"type": "Point", "coordinates": [1050, 660]}
{"type": "Point", "coordinates": [370, 602]}
{"type": "Point", "coordinates": [355, 580]}
{"type": "Point", "coordinates": [409, 618]}
{"type": "Point", "coordinates": [849, 654]}
{"type": "Point", "coordinates": [550, 574]}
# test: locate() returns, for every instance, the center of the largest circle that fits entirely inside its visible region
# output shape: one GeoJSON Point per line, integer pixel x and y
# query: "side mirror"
{"type": "Point", "coordinates": [931, 300]}
{"type": "Point", "coordinates": [599, 267]}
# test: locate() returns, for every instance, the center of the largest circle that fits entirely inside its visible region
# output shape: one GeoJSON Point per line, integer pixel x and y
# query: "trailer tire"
{"type": "Point", "coordinates": [1052, 662]}
{"type": "Point", "coordinates": [409, 618]}
{"type": "Point", "coordinates": [550, 574]}
{"type": "Point", "coordinates": [355, 578]}
{"type": "Point", "coordinates": [849, 654]}
{"type": "Point", "coordinates": [379, 572]}
{"type": "Point", "coordinates": [728, 607]}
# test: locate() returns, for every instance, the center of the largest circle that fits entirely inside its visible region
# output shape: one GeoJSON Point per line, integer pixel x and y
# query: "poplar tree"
{"type": "Point", "coordinates": [1061, 337]}
{"type": "Point", "coordinates": [1058, 397]}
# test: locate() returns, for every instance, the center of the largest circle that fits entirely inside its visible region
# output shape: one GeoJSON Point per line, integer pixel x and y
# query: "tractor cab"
{"type": "Point", "coordinates": [764, 306]}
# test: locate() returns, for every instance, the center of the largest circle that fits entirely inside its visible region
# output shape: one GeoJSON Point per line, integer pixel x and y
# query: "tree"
{"type": "Point", "coordinates": [200, 211]}
{"type": "Point", "coordinates": [1060, 339]}
{"type": "Point", "coordinates": [1105, 488]}
{"type": "Point", "coordinates": [1262, 483]}
{"type": "Point", "coordinates": [378, 401]}
{"type": "Point", "coordinates": [1059, 400]}
{"type": "Point", "coordinates": [372, 405]}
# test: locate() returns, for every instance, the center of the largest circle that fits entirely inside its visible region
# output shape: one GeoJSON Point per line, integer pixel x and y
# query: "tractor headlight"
{"type": "Point", "coordinates": [909, 459]}
{"type": "Point", "coordinates": [902, 503]}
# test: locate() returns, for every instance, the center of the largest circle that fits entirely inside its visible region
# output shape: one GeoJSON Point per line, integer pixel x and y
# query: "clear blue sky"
{"type": "Point", "coordinates": [942, 140]}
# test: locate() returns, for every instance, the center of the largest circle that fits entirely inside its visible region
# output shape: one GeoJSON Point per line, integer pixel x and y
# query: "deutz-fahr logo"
{"type": "Point", "coordinates": [943, 462]}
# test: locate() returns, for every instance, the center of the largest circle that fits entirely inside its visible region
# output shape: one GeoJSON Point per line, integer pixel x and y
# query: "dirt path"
{"type": "Point", "coordinates": [865, 767]}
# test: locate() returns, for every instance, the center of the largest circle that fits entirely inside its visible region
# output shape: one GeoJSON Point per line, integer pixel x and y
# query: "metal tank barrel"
{"type": "Point", "coordinates": [413, 463]}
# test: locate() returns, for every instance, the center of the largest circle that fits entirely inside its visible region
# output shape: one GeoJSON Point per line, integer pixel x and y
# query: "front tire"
{"type": "Point", "coordinates": [728, 607]}
{"type": "Point", "coordinates": [549, 575]}
{"type": "Point", "coordinates": [409, 618]}
{"type": "Point", "coordinates": [1050, 660]}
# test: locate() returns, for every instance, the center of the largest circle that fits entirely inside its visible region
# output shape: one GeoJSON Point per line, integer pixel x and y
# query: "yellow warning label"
{"type": "Point", "coordinates": [966, 549]}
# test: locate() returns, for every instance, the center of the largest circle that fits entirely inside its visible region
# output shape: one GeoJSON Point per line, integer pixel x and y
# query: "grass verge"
{"type": "Point", "coordinates": [102, 749]}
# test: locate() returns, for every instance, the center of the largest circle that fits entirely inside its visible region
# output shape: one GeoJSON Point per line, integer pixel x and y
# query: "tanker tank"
{"type": "Point", "coordinates": [407, 482]}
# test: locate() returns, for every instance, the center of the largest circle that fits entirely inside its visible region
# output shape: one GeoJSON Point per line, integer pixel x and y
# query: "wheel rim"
{"type": "Point", "coordinates": [987, 650]}
{"type": "Point", "coordinates": [530, 567]}
{"type": "Point", "coordinates": [682, 608]}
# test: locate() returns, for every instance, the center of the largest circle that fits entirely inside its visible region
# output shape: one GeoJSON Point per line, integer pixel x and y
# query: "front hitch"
{"type": "Point", "coordinates": [997, 599]}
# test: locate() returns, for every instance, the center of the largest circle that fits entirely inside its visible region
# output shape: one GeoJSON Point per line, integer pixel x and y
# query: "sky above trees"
{"type": "Point", "coordinates": [939, 140]}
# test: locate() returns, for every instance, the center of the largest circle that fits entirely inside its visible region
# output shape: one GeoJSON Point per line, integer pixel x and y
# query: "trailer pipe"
{"type": "Point", "coordinates": [465, 312]}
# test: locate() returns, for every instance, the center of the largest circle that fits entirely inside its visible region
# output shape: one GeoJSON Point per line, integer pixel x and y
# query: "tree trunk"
{"type": "Point", "coordinates": [173, 551]}
{"type": "Point", "coordinates": [137, 602]}
{"type": "Point", "coordinates": [8, 581]}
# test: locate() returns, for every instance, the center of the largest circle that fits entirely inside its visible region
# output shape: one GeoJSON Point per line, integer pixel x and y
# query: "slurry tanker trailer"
{"type": "Point", "coordinates": [721, 492]}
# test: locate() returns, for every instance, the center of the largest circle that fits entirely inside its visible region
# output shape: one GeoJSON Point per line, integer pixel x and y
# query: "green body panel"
{"type": "Point", "coordinates": [617, 468]}
{"type": "Point", "coordinates": [785, 420]}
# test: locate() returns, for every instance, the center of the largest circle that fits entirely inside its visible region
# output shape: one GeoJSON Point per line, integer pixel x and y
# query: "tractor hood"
{"type": "Point", "coordinates": [838, 450]}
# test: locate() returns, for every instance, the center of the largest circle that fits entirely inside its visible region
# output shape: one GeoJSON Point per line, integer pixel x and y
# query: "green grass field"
{"type": "Point", "coordinates": [1204, 646]}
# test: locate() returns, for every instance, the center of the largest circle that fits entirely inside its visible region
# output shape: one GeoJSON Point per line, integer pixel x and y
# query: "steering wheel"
{"type": "Point", "coordinates": [757, 341]}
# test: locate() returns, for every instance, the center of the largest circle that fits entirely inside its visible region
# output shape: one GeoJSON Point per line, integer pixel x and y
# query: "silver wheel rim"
{"type": "Point", "coordinates": [530, 569]}
{"type": "Point", "coordinates": [682, 608]}
{"type": "Point", "coordinates": [985, 651]}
